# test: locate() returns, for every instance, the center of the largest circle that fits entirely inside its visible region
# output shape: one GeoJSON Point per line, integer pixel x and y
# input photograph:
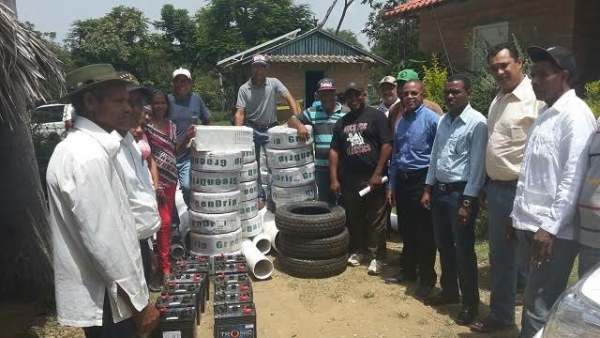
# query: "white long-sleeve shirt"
{"type": "Point", "coordinates": [94, 236]}
{"type": "Point", "coordinates": [140, 191]}
{"type": "Point", "coordinates": [554, 165]}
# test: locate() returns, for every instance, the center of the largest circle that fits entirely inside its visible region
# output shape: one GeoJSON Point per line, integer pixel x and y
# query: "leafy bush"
{"type": "Point", "coordinates": [434, 78]}
{"type": "Point", "coordinates": [592, 96]}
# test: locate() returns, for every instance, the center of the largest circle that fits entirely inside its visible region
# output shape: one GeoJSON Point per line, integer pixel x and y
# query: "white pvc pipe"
{"type": "Point", "coordinates": [262, 242]}
{"type": "Point", "coordinates": [394, 222]}
{"type": "Point", "coordinates": [269, 227]}
{"type": "Point", "coordinates": [259, 264]}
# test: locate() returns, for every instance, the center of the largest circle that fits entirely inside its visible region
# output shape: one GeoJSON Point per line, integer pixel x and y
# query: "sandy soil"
{"type": "Point", "coordinates": [352, 304]}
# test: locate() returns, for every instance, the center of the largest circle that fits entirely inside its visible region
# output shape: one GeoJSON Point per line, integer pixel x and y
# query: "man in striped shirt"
{"type": "Point", "coordinates": [322, 118]}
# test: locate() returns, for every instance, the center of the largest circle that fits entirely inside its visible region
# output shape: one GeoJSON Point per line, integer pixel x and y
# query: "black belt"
{"type": "Point", "coordinates": [504, 184]}
{"type": "Point", "coordinates": [260, 127]}
{"type": "Point", "coordinates": [449, 187]}
{"type": "Point", "coordinates": [407, 175]}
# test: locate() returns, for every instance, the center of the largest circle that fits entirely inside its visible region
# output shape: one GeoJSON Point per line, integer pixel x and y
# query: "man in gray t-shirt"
{"type": "Point", "coordinates": [257, 107]}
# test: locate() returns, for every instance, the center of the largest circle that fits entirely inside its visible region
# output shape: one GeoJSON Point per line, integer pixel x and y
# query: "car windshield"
{"type": "Point", "coordinates": [47, 114]}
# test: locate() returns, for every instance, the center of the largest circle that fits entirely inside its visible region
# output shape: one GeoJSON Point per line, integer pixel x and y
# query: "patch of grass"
{"type": "Point", "coordinates": [423, 321]}
{"type": "Point", "coordinates": [402, 314]}
{"type": "Point", "coordinates": [369, 294]}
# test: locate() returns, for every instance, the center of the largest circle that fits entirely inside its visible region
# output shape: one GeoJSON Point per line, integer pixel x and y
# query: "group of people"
{"type": "Point", "coordinates": [531, 164]}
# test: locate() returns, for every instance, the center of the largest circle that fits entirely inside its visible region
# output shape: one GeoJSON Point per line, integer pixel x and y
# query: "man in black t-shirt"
{"type": "Point", "coordinates": [360, 148]}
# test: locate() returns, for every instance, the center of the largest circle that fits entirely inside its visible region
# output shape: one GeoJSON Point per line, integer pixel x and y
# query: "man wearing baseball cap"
{"type": "Point", "coordinates": [322, 118]}
{"type": "Point", "coordinates": [360, 148]}
{"type": "Point", "coordinates": [257, 108]}
{"type": "Point", "coordinates": [389, 94]}
{"type": "Point", "coordinates": [550, 180]}
{"type": "Point", "coordinates": [396, 110]}
{"type": "Point", "coordinates": [185, 108]}
{"type": "Point", "coordinates": [98, 270]}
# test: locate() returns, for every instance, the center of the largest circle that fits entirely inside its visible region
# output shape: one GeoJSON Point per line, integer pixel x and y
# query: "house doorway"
{"type": "Point", "coordinates": [311, 79]}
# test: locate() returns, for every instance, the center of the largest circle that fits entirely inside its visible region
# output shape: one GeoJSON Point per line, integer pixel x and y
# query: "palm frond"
{"type": "Point", "coordinates": [28, 70]}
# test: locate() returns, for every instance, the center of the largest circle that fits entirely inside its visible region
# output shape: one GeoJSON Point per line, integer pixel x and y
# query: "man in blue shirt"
{"type": "Point", "coordinates": [323, 118]}
{"type": "Point", "coordinates": [185, 108]}
{"type": "Point", "coordinates": [413, 141]}
{"type": "Point", "coordinates": [456, 174]}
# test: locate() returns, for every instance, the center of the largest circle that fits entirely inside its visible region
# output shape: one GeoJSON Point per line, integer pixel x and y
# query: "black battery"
{"type": "Point", "coordinates": [196, 284]}
{"type": "Point", "coordinates": [227, 259]}
{"type": "Point", "coordinates": [191, 266]}
{"type": "Point", "coordinates": [231, 278]}
{"type": "Point", "coordinates": [178, 300]}
{"type": "Point", "coordinates": [233, 287]}
{"type": "Point", "coordinates": [230, 268]}
{"type": "Point", "coordinates": [238, 320]}
{"type": "Point", "coordinates": [232, 297]}
{"type": "Point", "coordinates": [178, 322]}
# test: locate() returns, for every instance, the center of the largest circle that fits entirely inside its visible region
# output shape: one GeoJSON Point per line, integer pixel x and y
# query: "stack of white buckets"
{"type": "Point", "coordinates": [291, 162]}
{"type": "Point", "coordinates": [223, 215]}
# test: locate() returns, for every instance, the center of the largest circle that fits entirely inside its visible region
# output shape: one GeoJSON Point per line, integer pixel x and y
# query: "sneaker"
{"type": "Point", "coordinates": [375, 267]}
{"type": "Point", "coordinates": [354, 260]}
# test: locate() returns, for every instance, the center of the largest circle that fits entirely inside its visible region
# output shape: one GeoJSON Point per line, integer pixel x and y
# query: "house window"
{"type": "Point", "coordinates": [484, 37]}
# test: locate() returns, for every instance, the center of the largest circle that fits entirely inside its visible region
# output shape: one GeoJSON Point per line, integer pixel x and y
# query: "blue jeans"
{"type": "Point", "coordinates": [505, 258]}
{"type": "Point", "coordinates": [456, 244]}
{"type": "Point", "coordinates": [261, 140]}
{"type": "Point", "coordinates": [544, 283]}
{"type": "Point", "coordinates": [183, 169]}
{"type": "Point", "coordinates": [588, 258]}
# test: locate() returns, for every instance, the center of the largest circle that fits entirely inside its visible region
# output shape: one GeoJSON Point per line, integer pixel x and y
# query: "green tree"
{"type": "Point", "coordinates": [346, 35]}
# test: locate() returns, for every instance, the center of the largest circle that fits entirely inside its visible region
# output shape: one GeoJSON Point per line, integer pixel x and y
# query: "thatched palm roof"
{"type": "Point", "coordinates": [28, 69]}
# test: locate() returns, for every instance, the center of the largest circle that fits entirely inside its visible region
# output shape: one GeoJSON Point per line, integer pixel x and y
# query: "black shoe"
{"type": "Point", "coordinates": [400, 278]}
{"type": "Point", "coordinates": [467, 315]}
{"type": "Point", "coordinates": [423, 291]}
{"type": "Point", "coordinates": [441, 299]}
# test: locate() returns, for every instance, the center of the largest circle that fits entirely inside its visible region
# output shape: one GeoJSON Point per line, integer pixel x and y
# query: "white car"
{"type": "Point", "coordinates": [48, 119]}
{"type": "Point", "coordinates": [577, 312]}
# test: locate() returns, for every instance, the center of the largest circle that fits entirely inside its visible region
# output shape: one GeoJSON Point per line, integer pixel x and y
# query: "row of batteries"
{"type": "Point", "coordinates": [183, 298]}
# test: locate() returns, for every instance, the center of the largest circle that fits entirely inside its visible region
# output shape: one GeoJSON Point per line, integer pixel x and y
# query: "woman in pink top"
{"type": "Point", "coordinates": [161, 136]}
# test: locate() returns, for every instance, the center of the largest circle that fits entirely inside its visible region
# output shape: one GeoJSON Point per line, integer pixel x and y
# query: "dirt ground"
{"type": "Point", "coordinates": [352, 304]}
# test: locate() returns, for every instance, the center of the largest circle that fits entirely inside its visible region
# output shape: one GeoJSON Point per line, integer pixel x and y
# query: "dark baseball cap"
{"type": "Point", "coordinates": [558, 55]}
{"type": "Point", "coordinates": [353, 86]}
{"type": "Point", "coordinates": [326, 84]}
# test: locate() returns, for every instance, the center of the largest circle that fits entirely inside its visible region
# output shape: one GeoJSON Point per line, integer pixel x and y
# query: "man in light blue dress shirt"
{"type": "Point", "coordinates": [456, 174]}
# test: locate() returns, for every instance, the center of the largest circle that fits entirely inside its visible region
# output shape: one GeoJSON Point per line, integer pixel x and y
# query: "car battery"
{"type": "Point", "coordinates": [189, 283]}
{"type": "Point", "coordinates": [224, 297]}
{"type": "Point", "coordinates": [180, 322]}
{"type": "Point", "coordinates": [182, 300]}
{"type": "Point", "coordinates": [236, 258]}
{"type": "Point", "coordinates": [233, 287]}
{"type": "Point", "coordinates": [191, 266]}
{"type": "Point", "coordinates": [231, 278]}
{"type": "Point", "coordinates": [230, 267]}
{"type": "Point", "coordinates": [237, 320]}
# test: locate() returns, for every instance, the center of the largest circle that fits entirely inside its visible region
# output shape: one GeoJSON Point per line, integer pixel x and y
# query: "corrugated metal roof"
{"type": "Point", "coordinates": [316, 44]}
{"type": "Point", "coordinates": [409, 7]}
{"type": "Point", "coordinates": [320, 58]}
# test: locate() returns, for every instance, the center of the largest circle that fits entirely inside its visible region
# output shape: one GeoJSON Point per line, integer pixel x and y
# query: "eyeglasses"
{"type": "Point", "coordinates": [411, 93]}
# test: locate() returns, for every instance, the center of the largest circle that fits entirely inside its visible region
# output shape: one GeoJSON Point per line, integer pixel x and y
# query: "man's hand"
{"type": "Point", "coordinates": [160, 196]}
{"type": "Point", "coordinates": [464, 215]}
{"type": "Point", "coordinates": [303, 133]}
{"type": "Point", "coordinates": [390, 196]}
{"type": "Point", "coordinates": [190, 132]}
{"type": "Point", "coordinates": [147, 319]}
{"type": "Point", "coordinates": [426, 199]}
{"type": "Point", "coordinates": [335, 187]}
{"type": "Point", "coordinates": [375, 181]}
{"type": "Point", "coordinates": [483, 199]}
{"type": "Point", "coordinates": [542, 247]}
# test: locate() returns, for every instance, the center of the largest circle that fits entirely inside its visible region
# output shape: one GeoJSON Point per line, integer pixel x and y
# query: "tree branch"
{"type": "Point", "coordinates": [322, 23]}
{"type": "Point", "coordinates": [347, 4]}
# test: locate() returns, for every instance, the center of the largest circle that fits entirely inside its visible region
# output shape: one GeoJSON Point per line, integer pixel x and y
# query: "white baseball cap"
{"type": "Point", "coordinates": [182, 71]}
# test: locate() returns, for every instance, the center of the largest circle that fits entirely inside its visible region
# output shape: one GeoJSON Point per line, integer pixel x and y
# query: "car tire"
{"type": "Point", "coordinates": [306, 268]}
{"type": "Point", "coordinates": [309, 248]}
{"type": "Point", "coordinates": [310, 219]}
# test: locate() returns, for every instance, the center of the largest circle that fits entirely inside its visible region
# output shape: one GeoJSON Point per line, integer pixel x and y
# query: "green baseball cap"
{"type": "Point", "coordinates": [407, 75]}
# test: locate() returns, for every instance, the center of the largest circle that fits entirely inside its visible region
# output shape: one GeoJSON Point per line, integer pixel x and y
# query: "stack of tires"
{"type": "Point", "coordinates": [215, 201]}
{"type": "Point", "coordinates": [291, 165]}
{"type": "Point", "coordinates": [312, 240]}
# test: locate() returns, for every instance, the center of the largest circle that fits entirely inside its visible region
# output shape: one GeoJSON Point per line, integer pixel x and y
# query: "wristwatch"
{"type": "Point", "coordinates": [467, 201]}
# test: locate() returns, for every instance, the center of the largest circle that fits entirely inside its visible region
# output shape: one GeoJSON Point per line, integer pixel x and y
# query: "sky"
{"type": "Point", "coordinates": [58, 15]}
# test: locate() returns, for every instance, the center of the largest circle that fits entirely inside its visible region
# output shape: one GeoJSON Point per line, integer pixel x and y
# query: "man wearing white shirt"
{"type": "Point", "coordinates": [554, 164]}
{"type": "Point", "coordinates": [98, 269]}
{"type": "Point", "coordinates": [134, 173]}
